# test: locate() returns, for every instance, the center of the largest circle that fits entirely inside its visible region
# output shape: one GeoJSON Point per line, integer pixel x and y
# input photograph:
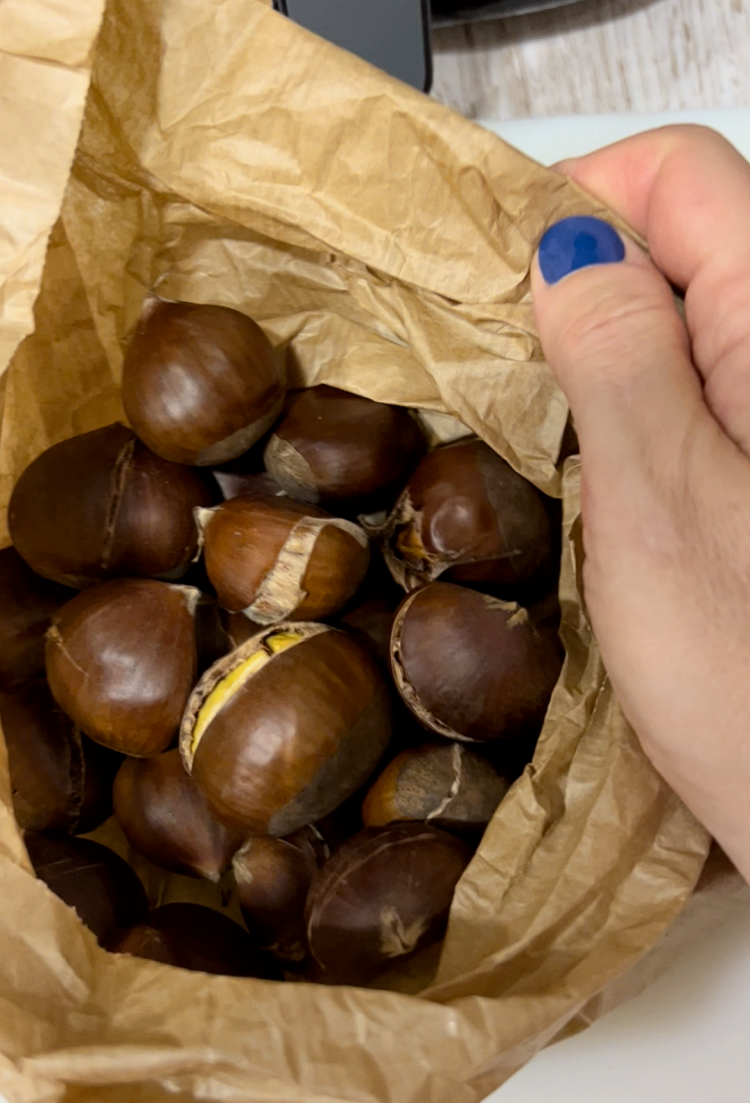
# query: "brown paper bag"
{"type": "Point", "coordinates": [384, 243]}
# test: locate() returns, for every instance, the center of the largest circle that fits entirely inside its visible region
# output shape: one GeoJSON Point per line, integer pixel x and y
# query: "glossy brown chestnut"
{"type": "Point", "coordinates": [280, 732]}
{"type": "Point", "coordinates": [165, 817]}
{"type": "Point", "coordinates": [274, 559]}
{"type": "Point", "coordinates": [384, 894]}
{"type": "Point", "coordinates": [200, 384]}
{"type": "Point", "coordinates": [445, 784]}
{"type": "Point", "coordinates": [121, 662]}
{"type": "Point", "coordinates": [60, 780]}
{"type": "Point", "coordinates": [470, 666]}
{"type": "Point", "coordinates": [192, 936]}
{"type": "Point", "coordinates": [101, 505]}
{"type": "Point", "coordinates": [27, 602]}
{"type": "Point", "coordinates": [465, 515]}
{"type": "Point", "coordinates": [97, 883]}
{"type": "Point", "coordinates": [334, 447]}
{"type": "Point", "coordinates": [273, 877]}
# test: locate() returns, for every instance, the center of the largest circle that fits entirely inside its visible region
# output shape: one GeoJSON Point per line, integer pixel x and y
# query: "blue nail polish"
{"type": "Point", "coordinates": [578, 242]}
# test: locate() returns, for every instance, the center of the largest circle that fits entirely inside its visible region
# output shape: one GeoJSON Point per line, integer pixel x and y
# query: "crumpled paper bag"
{"type": "Point", "coordinates": [383, 242]}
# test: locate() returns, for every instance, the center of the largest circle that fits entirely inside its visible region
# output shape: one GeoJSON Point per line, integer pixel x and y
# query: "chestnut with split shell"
{"type": "Point", "coordinates": [192, 936]}
{"type": "Point", "coordinates": [98, 884]}
{"type": "Point", "coordinates": [335, 447]}
{"type": "Point", "coordinates": [165, 817]}
{"type": "Point", "coordinates": [60, 780]}
{"type": "Point", "coordinates": [276, 559]}
{"type": "Point", "coordinates": [273, 877]}
{"type": "Point", "coordinates": [446, 784]}
{"type": "Point", "coordinates": [466, 516]}
{"type": "Point", "coordinates": [101, 505]}
{"type": "Point", "coordinates": [121, 662]}
{"type": "Point", "coordinates": [470, 666]}
{"type": "Point", "coordinates": [385, 894]}
{"type": "Point", "coordinates": [200, 383]}
{"type": "Point", "coordinates": [281, 731]}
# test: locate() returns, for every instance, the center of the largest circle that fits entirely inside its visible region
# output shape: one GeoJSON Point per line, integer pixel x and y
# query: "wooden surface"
{"type": "Point", "coordinates": [598, 56]}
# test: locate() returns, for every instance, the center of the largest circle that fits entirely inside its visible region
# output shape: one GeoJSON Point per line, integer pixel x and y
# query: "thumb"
{"type": "Point", "coordinates": [613, 337]}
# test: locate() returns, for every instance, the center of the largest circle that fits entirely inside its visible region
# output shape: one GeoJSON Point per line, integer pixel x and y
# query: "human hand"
{"type": "Point", "coordinates": [662, 411]}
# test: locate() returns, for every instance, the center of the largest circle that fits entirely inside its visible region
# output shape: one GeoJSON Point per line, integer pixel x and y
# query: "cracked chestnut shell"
{"type": "Point", "coordinates": [101, 505]}
{"type": "Point", "coordinates": [192, 936]}
{"type": "Point", "coordinates": [200, 383]}
{"type": "Point", "coordinates": [281, 731]}
{"type": "Point", "coordinates": [276, 559]}
{"type": "Point", "coordinates": [466, 516]}
{"type": "Point", "coordinates": [166, 818]}
{"type": "Point", "coordinates": [384, 894]}
{"type": "Point", "coordinates": [98, 884]}
{"type": "Point", "coordinates": [273, 877]}
{"type": "Point", "coordinates": [445, 784]}
{"type": "Point", "coordinates": [471, 666]}
{"type": "Point", "coordinates": [27, 602]}
{"type": "Point", "coordinates": [60, 780]}
{"type": "Point", "coordinates": [121, 662]}
{"type": "Point", "coordinates": [334, 447]}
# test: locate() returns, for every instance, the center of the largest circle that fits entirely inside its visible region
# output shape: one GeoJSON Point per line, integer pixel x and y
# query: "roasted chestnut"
{"type": "Point", "coordinates": [471, 666]}
{"type": "Point", "coordinates": [281, 731]}
{"type": "Point", "coordinates": [101, 505]}
{"type": "Point", "coordinates": [465, 515]}
{"type": "Point", "coordinates": [60, 780]}
{"type": "Point", "coordinates": [121, 662]}
{"type": "Point", "coordinates": [192, 936]}
{"type": "Point", "coordinates": [274, 559]}
{"type": "Point", "coordinates": [273, 877]}
{"type": "Point", "coordinates": [166, 819]}
{"type": "Point", "coordinates": [384, 894]}
{"type": "Point", "coordinates": [200, 384]}
{"type": "Point", "coordinates": [335, 447]}
{"type": "Point", "coordinates": [27, 602]}
{"type": "Point", "coordinates": [100, 885]}
{"type": "Point", "coordinates": [445, 784]}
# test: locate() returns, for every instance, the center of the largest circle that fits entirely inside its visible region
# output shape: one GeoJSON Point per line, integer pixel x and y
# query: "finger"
{"type": "Point", "coordinates": [612, 335]}
{"type": "Point", "coordinates": [619, 349]}
{"type": "Point", "coordinates": [687, 192]}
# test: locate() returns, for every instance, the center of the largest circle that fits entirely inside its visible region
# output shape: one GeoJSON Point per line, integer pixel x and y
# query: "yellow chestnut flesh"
{"type": "Point", "coordinates": [281, 731]}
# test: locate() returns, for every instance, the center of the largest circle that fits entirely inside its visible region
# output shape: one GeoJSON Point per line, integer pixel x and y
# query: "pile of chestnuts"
{"type": "Point", "coordinates": [293, 651]}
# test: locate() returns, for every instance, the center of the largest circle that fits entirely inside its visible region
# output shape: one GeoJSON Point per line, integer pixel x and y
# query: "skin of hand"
{"type": "Point", "coordinates": [662, 411]}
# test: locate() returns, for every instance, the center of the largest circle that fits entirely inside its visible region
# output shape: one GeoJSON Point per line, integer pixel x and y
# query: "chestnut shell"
{"type": "Point", "coordinates": [448, 785]}
{"type": "Point", "coordinates": [27, 602]}
{"type": "Point", "coordinates": [273, 877]}
{"type": "Point", "coordinates": [60, 780]}
{"type": "Point", "coordinates": [277, 559]}
{"type": "Point", "coordinates": [465, 515]}
{"type": "Point", "coordinates": [192, 936]}
{"type": "Point", "coordinates": [121, 662]}
{"type": "Point", "coordinates": [298, 737]}
{"type": "Point", "coordinates": [470, 666]}
{"type": "Point", "coordinates": [166, 818]}
{"type": "Point", "coordinates": [101, 505]}
{"type": "Point", "coordinates": [384, 894]}
{"type": "Point", "coordinates": [200, 383]}
{"type": "Point", "coordinates": [335, 447]}
{"type": "Point", "coordinates": [97, 883]}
